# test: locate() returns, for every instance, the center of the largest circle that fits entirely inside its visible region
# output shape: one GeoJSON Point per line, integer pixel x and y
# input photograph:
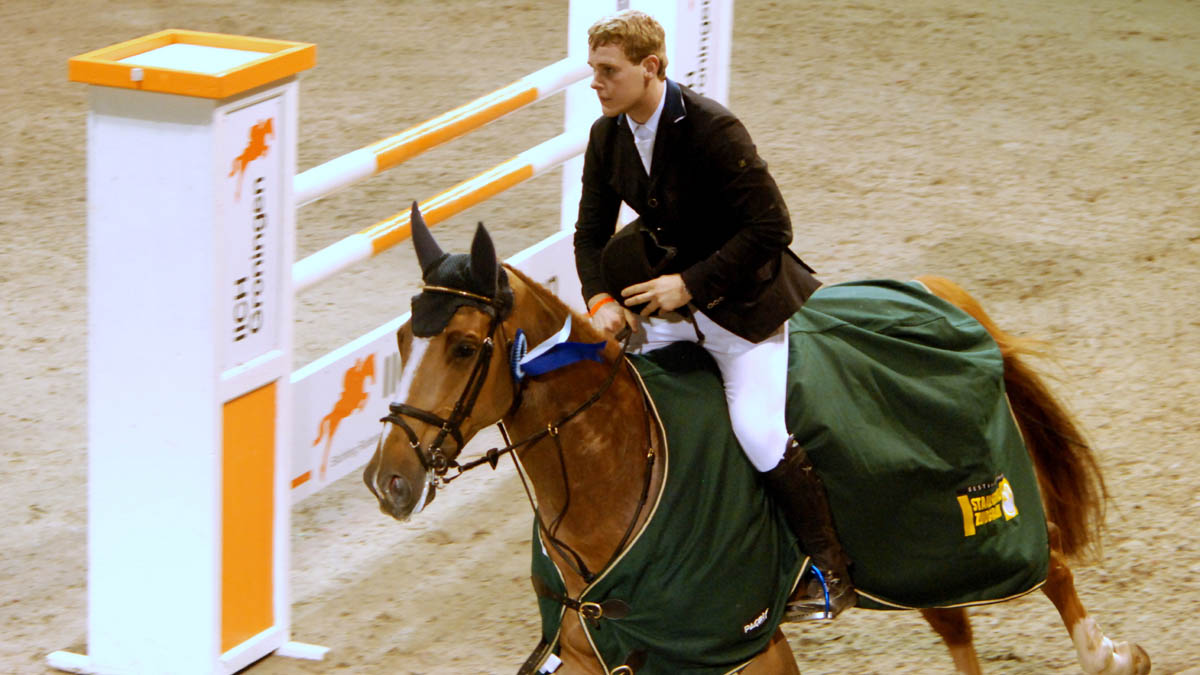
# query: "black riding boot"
{"type": "Point", "coordinates": [796, 487]}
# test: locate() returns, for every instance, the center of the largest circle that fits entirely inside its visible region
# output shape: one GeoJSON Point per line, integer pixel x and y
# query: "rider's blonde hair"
{"type": "Point", "coordinates": [636, 33]}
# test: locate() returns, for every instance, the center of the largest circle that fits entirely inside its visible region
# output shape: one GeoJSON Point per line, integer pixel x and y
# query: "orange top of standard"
{"type": "Point", "coordinates": [205, 65]}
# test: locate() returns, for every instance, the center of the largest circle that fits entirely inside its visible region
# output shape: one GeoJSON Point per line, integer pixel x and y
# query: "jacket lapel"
{"type": "Point", "coordinates": [673, 112]}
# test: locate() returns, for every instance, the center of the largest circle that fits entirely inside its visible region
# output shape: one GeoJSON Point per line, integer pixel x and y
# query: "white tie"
{"type": "Point", "coordinates": [644, 140]}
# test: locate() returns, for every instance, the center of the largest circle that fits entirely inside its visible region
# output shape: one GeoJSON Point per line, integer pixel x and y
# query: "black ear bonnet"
{"type": "Point", "coordinates": [478, 276]}
{"type": "Point", "coordinates": [432, 310]}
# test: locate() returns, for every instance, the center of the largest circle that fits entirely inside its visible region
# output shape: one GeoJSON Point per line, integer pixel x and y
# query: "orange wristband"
{"type": "Point", "coordinates": [596, 307]}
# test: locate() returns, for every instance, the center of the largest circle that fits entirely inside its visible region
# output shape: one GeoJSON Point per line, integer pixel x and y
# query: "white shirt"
{"type": "Point", "coordinates": [644, 134]}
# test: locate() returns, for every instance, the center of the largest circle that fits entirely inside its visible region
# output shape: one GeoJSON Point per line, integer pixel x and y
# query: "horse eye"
{"type": "Point", "coordinates": [464, 350]}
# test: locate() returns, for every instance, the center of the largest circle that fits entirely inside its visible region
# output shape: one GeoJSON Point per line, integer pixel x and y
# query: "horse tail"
{"type": "Point", "coordinates": [1072, 485]}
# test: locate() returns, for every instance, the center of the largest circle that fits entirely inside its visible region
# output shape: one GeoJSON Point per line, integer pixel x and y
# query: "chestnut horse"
{"type": "Point", "coordinates": [456, 380]}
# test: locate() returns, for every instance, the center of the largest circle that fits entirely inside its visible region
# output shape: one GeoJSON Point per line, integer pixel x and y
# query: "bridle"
{"type": "Point", "coordinates": [437, 465]}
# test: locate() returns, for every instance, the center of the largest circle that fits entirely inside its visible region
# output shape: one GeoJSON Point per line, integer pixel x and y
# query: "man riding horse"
{"type": "Point", "coordinates": [706, 261]}
{"type": "Point", "coordinates": [893, 386]}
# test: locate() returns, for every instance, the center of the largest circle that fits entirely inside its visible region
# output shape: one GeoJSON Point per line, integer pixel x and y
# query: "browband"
{"type": "Point", "coordinates": [455, 291]}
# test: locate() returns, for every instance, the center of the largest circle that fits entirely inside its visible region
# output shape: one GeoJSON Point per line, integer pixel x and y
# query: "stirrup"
{"type": "Point", "coordinates": [825, 609]}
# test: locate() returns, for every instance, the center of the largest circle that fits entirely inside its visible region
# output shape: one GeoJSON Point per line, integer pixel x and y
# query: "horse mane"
{"type": "Point", "coordinates": [1072, 485]}
{"type": "Point", "coordinates": [580, 324]}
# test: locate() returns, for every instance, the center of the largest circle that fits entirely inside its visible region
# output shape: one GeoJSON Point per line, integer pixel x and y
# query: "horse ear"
{"type": "Point", "coordinates": [428, 251]}
{"type": "Point", "coordinates": [484, 268]}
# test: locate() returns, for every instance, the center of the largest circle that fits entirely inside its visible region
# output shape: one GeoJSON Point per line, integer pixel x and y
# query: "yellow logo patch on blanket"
{"type": "Point", "coordinates": [986, 503]}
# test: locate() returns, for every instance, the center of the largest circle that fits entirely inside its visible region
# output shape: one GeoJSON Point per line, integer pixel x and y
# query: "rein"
{"type": "Point", "coordinates": [437, 465]}
{"type": "Point", "coordinates": [492, 456]}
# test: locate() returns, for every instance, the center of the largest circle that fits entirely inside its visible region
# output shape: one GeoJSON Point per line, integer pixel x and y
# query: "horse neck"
{"type": "Point", "coordinates": [603, 449]}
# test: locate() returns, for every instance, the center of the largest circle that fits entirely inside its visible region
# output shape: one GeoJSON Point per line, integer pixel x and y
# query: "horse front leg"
{"type": "Point", "coordinates": [575, 650]}
{"type": "Point", "coordinates": [776, 659]}
{"type": "Point", "coordinates": [1098, 655]}
{"type": "Point", "coordinates": [954, 627]}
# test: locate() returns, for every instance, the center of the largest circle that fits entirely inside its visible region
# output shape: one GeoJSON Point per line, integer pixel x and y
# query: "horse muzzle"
{"type": "Point", "coordinates": [398, 497]}
{"type": "Point", "coordinates": [403, 489]}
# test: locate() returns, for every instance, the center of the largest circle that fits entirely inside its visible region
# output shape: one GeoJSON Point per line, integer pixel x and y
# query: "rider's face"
{"type": "Point", "coordinates": [621, 85]}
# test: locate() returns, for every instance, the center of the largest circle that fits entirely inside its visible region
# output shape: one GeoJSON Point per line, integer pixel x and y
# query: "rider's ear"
{"type": "Point", "coordinates": [483, 261]}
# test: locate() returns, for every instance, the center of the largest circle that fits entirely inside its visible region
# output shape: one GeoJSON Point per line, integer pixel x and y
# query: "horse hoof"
{"type": "Point", "coordinates": [1099, 655]}
{"type": "Point", "coordinates": [1141, 660]}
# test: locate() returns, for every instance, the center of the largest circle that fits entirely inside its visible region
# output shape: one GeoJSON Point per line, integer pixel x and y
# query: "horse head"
{"type": "Point", "coordinates": [454, 381]}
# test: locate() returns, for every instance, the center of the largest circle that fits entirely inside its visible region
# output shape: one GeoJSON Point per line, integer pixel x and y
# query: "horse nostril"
{"type": "Point", "coordinates": [398, 490]}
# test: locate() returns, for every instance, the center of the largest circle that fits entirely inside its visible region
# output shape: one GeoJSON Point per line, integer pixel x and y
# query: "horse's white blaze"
{"type": "Point", "coordinates": [378, 448]}
{"type": "Point", "coordinates": [409, 372]}
{"type": "Point", "coordinates": [407, 375]}
{"type": "Point", "coordinates": [411, 364]}
{"type": "Point", "coordinates": [424, 495]}
{"type": "Point", "coordinates": [1097, 654]}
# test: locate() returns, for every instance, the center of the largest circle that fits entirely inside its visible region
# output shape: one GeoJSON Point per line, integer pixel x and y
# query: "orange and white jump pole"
{"type": "Point", "coordinates": [325, 179]}
{"type": "Point", "coordinates": [191, 219]}
{"type": "Point", "coordinates": [388, 232]}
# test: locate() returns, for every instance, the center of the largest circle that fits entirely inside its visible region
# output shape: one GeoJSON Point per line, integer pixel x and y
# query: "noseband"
{"type": "Point", "coordinates": [436, 464]}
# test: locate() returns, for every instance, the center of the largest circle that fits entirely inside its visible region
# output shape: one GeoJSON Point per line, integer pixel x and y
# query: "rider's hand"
{"type": "Point", "coordinates": [611, 317]}
{"type": "Point", "coordinates": [666, 293]}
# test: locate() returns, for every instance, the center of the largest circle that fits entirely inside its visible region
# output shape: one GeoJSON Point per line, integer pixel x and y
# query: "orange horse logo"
{"type": "Point", "coordinates": [354, 398]}
{"type": "Point", "coordinates": [257, 147]}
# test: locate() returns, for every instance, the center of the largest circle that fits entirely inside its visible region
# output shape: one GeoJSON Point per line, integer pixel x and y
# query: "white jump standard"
{"type": "Point", "coordinates": [199, 428]}
{"type": "Point", "coordinates": [191, 154]}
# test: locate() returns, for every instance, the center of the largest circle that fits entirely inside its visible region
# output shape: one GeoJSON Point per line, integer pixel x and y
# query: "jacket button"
{"type": "Point", "coordinates": [653, 203]}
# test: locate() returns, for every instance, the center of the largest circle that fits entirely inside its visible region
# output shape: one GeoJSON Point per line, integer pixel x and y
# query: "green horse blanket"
{"type": "Point", "coordinates": [899, 399]}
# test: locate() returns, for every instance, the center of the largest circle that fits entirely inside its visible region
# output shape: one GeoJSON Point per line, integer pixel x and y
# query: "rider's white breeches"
{"type": "Point", "coordinates": [755, 381]}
